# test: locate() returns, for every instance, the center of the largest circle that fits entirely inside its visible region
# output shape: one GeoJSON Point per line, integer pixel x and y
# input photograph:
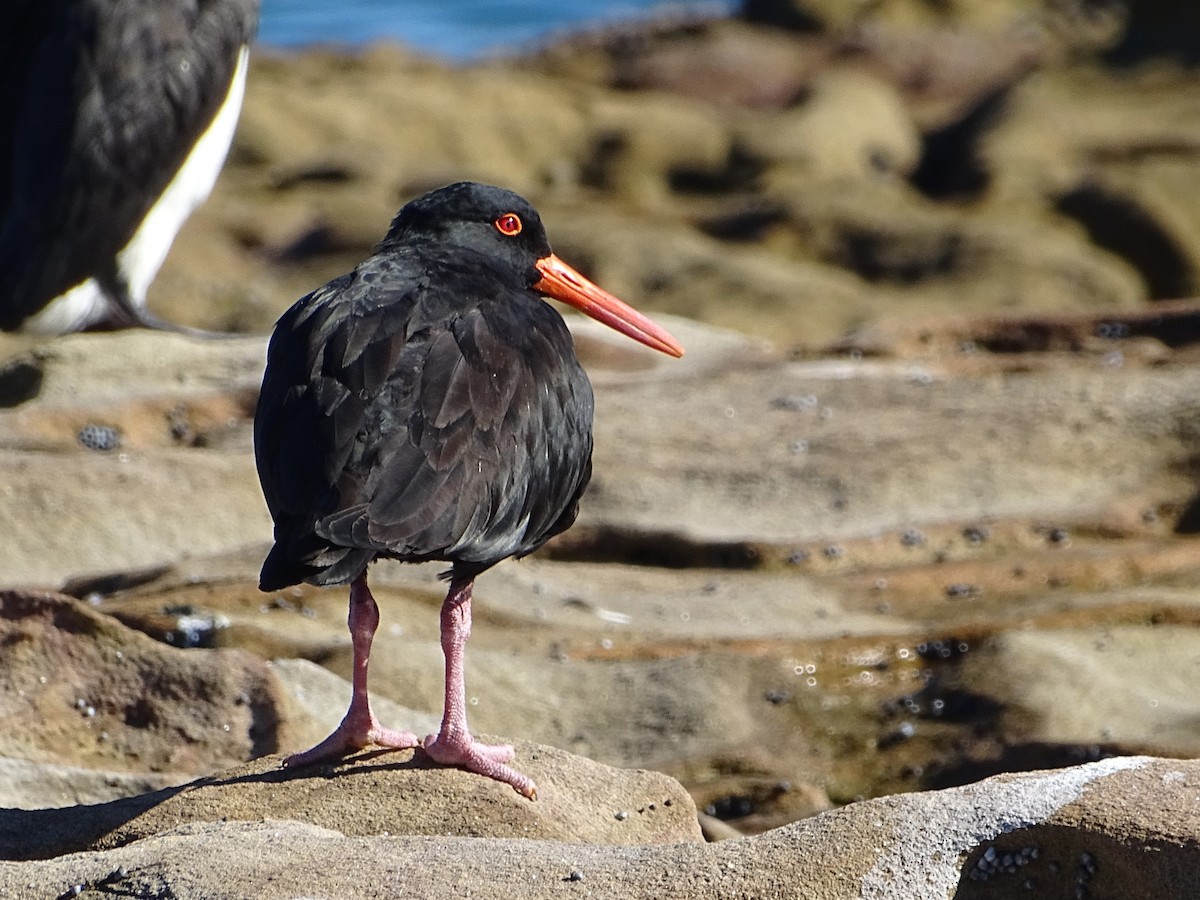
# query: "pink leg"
{"type": "Point", "coordinates": [453, 745]}
{"type": "Point", "coordinates": [359, 728]}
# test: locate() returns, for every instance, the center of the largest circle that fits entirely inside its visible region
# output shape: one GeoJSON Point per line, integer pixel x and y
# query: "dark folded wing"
{"type": "Point", "coordinates": [466, 440]}
{"type": "Point", "coordinates": [483, 454]}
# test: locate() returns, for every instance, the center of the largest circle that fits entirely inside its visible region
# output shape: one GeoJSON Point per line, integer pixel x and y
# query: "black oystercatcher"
{"type": "Point", "coordinates": [115, 118]}
{"type": "Point", "coordinates": [429, 406]}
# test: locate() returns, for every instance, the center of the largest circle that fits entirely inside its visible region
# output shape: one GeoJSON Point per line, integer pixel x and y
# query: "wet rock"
{"type": "Point", "coordinates": [1093, 690]}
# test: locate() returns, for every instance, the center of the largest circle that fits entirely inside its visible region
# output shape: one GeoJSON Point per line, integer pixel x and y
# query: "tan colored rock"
{"type": "Point", "coordinates": [1092, 689]}
{"type": "Point", "coordinates": [1120, 828]}
{"type": "Point", "coordinates": [928, 257]}
{"type": "Point", "coordinates": [321, 697]}
{"type": "Point", "coordinates": [1088, 213]}
{"type": "Point", "coordinates": [1139, 118]}
{"type": "Point", "coordinates": [851, 126]}
{"type": "Point", "coordinates": [391, 793]}
{"type": "Point", "coordinates": [785, 301]}
{"type": "Point", "coordinates": [853, 528]}
{"type": "Point", "coordinates": [79, 689]}
{"type": "Point", "coordinates": [177, 410]}
{"type": "Point", "coordinates": [885, 444]}
{"type": "Point", "coordinates": [639, 145]}
{"type": "Point", "coordinates": [25, 784]}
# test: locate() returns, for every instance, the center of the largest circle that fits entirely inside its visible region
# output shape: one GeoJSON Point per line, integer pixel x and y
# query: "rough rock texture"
{"type": "Point", "coordinates": [380, 794]}
{"type": "Point", "coordinates": [77, 686]}
{"type": "Point", "coordinates": [791, 185]}
{"type": "Point", "coordinates": [1040, 835]}
{"type": "Point", "coordinates": [889, 603]}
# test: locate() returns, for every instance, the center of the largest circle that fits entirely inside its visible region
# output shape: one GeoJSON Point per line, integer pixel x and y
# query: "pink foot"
{"type": "Point", "coordinates": [453, 744]}
{"type": "Point", "coordinates": [353, 734]}
{"type": "Point", "coordinates": [359, 727]}
{"type": "Point", "coordinates": [460, 749]}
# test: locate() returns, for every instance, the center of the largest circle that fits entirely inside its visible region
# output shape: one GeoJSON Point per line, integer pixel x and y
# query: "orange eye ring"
{"type": "Point", "coordinates": [508, 224]}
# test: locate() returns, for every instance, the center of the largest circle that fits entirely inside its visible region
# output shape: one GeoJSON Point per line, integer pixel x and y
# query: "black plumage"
{"type": "Point", "coordinates": [429, 406]}
{"type": "Point", "coordinates": [408, 413]}
{"type": "Point", "coordinates": [101, 102]}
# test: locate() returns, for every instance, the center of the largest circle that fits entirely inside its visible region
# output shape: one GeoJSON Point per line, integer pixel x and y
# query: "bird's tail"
{"type": "Point", "coordinates": [283, 567]}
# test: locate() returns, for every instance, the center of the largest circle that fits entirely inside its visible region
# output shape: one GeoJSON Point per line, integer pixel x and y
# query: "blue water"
{"type": "Point", "coordinates": [455, 29]}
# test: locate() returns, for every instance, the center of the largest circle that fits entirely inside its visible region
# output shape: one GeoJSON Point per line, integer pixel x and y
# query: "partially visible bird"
{"type": "Point", "coordinates": [429, 405]}
{"type": "Point", "coordinates": [115, 119]}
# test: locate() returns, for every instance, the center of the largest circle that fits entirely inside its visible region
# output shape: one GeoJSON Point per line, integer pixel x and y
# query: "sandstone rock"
{"type": "Point", "coordinates": [900, 427]}
{"type": "Point", "coordinates": [383, 794]}
{"type": "Point", "coordinates": [851, 126]}
{"type": "Point", "coordinates": [42, 785]}
{"type": "Point", "coordinates": [176, 410]}
{"type": "Point", "coordinates": [1106, 172]}
{"type": "Point", "coordinates": [640, 147]}
{"type": "Point", "coordinates": [922, 255]}
{"type": "Point", "coordinates": [1122, 827]}
{"type": "Point", "coordinates": [313, 183]}
{"type": "Point", "coordinates": [801, 577]}
{"type": "Point", "coordinates": [691, 275]}
{"type": "Point", "coordinates": [79, 689]}
{"type": "Point", "coordinates": [1092, 690]}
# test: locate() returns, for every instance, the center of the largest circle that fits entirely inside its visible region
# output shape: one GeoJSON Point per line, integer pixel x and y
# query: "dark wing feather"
{"type": "Point", "coordinates": [298, 465]}
{"type": "Point", "coordinates": [394, 422]}
{"type": "Point", "coordinates": [100, 103]}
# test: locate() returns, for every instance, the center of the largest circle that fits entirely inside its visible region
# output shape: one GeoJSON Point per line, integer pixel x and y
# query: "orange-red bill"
{"type": "Point", "coordinates": [563, 283]}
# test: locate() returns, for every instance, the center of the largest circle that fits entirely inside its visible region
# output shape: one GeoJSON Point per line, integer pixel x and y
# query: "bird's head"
{"type": "Point", "coordinates": [505, 228]}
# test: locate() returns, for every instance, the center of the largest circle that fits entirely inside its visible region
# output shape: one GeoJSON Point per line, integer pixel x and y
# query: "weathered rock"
{"type": "Point", "coordinates": [81, 689]}
{"type": "Point", "coordinates": [178, 412]}
{"type": "Point", "coordinates": [692, 274]}
{"type": "Point", "coordinates": [25, 784]}
{"type": "Point", "coordinates": [716, 60]}
{"type": "Point", "coordinates": [389, 793]}
{"type": "Point", "coordinates": [852, 126]}
{"type": "Point", "coordinates": [1106, 166]}
{"type": "Point", "coordinates": [625, 178]}
{"type": "Point", "coordinates": [1120, 828]}
{"type": "Point", "coordinates": [175, 411]}
{"type": "Point", "coordinates": [831, 517]}
{"type": "Point", "coordinates": [1092, 688]}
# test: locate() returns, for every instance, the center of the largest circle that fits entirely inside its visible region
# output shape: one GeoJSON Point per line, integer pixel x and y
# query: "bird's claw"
{"type": "Point", "coordinates": [483, 759]}
{"type": "Point", "coordinates": [348, 738]}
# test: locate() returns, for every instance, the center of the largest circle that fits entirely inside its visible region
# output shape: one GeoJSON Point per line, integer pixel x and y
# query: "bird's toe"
{"type": "Point", "coordinates": [482, 759]}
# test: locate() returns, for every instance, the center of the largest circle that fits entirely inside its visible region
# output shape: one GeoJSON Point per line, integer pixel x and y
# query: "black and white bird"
{"type": "Point", "coordinates": [115, 119]}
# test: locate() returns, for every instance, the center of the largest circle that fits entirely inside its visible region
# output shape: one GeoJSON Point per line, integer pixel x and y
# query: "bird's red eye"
{"type": "Point", "coordinates": [508, 224]}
